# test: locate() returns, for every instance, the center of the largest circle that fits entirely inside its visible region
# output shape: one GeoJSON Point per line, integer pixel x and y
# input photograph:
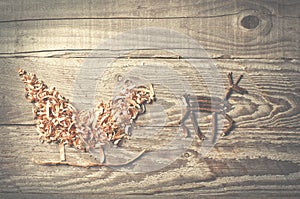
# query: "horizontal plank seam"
{"type": "Point", "coordinates": [22, 54]}
{"type": "Point", "coordinates": [285, 59]}
{"type": "Point", "coordinates": [136, 18]}
{"type": "Point", "coordinates": [111, 18]}
{"type": "Point", "coordinates": [80, 50]}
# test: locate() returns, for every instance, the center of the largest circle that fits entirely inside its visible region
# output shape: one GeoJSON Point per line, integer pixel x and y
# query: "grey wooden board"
{"type": "Point", "coordinates": [77, 26]}
{"type": "Point", "coordinates": [53, 39]}
{"type": "Point", "coordinates": [238, 162]}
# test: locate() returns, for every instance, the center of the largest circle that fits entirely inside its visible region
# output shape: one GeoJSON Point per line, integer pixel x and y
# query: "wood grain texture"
{"type": "Point", "coordinates": [259, 157]}
{"type": "Point", "coordinates": [77, 26]}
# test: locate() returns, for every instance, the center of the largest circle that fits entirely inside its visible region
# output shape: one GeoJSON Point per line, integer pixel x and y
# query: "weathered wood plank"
{"type": "Point", "coordinates": [138, 9]}
{"type": "Point", "coordinates": [236, 163]}
{"type": "Point", "coordinates": [272, 102]}
{"type": "Point", "coordinates": [216, 25]}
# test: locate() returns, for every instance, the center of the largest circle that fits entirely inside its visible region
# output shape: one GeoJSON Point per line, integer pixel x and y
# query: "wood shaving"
{"type": "Point", "coordinates": [53, 113]}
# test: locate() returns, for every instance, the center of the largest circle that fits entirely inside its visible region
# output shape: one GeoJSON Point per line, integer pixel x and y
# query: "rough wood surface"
{"type": "Point", "coordinates": [259, 157]}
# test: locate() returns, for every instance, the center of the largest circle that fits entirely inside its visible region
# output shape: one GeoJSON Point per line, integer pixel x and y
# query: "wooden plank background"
{"type": "Point", "coordinates": [54, 38]}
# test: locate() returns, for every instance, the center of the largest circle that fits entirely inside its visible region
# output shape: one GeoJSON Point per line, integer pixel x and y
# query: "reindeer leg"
{"type": "Point", "coordinates": [196, 127]}
{"type": "Point", "coordinates": [214, 122]}
{"type": "Point", "coordinates": [231, 125]}
{"type": "Point", "coordinates": [185, 115]}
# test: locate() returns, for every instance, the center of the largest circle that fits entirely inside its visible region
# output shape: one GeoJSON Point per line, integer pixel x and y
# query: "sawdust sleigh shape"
{"type": "Point", "coordinates": [57, 120]}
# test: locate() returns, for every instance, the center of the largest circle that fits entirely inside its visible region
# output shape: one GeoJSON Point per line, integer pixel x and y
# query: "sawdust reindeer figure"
{"type": "Point", "coordinates": [210, 105]}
